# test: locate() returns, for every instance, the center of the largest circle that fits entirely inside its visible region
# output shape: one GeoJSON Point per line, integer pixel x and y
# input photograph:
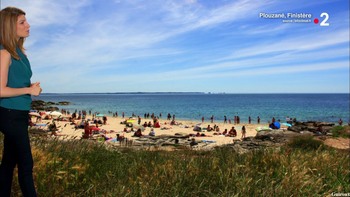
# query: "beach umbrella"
{"type": "Point", "coordinates": [34, 114]}
{"type": "Point", "coordinates": [55, 113]}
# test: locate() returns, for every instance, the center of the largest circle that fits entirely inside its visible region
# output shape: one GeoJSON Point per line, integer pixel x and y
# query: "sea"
{"type": "Point", "coordinates": [194, 106]}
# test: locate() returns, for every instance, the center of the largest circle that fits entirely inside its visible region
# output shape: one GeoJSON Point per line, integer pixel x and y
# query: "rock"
{"type": "Point", "coordinates": [47, 106]}
{"type": "Point", "coordinates": [295, 128]}
{"type": "Point", "coordinates": [177, 141]}
{"type": "Point", "coordinates": [64, 103]}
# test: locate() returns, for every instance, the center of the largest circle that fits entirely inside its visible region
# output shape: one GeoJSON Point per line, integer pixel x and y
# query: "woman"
{"type": "Point", "coordinates": [243, 132]}
{"type": "Point", "coordinates": [15, 102]}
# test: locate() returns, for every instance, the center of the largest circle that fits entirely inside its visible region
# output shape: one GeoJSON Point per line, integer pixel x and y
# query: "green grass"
{"type": "Point", "coordinates": [82, 168]}
{"type": "Point", "coordinates": [306, 142]}
{"type": "Point", "coordinates": [341, 131]}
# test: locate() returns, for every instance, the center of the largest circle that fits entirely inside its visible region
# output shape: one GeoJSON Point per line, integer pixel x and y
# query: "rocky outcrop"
{"type": "Point", "coordinates": [264, 139]}
{"type": "Point", "coordinates": [47, 106]}
{"type": "Point", "coordinates": [312, 126]}
{"type": "Point", "coordinates": [167, 142]}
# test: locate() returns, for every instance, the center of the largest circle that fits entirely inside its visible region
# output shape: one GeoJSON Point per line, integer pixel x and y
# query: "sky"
{"type": "Point", "coordinates": [217, 46]}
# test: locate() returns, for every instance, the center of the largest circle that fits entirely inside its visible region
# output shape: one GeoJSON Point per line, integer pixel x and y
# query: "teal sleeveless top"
{"type": "Point", "coordinates": [18, 77]}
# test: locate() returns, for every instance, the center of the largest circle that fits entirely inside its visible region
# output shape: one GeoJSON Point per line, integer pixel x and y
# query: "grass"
{"type": "Point", "coordinates": [341, 131]}
{"type": "Point", "coordinates": [82, 168]}
{"type": "Point", "coordinates": [306, 142]}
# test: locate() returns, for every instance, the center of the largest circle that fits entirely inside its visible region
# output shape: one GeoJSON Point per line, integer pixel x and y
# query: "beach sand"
{"type": "Point", "coordinates": [184, 127]}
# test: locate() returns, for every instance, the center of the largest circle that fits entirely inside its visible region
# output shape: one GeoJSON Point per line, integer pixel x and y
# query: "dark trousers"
{"type": "Point", "coordinates": [17, 151]}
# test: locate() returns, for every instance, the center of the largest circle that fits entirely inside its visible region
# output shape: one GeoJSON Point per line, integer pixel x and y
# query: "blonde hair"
{"type": "Point", "coordinates": [8, 30]}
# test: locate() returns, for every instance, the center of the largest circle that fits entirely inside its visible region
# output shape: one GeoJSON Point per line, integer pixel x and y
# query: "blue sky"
{"type": "Point", "coordinates": [187, 46]}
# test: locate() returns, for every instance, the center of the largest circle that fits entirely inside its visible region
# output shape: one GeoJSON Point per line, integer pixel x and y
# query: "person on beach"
{"type": "Point", "coordinates": [209, 128]}
{"type": "Point", "coordinates": [152, 133]}
{"type": "Point", "coordinates": [243, 132]}
{"type": "Point", "coordinates": [232, 132]}
{"type": "Point", "coordinates": [340, 122]}
{"type": "Point", "coordinates": [15, 102]}
{"type": "Point", "coordinates": [138, 133]}
{"type": "Point", "coordinates": [104, 118]}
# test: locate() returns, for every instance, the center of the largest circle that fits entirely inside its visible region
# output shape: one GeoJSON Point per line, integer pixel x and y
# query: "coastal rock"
{"type": "Point", "coordinates": [265, 139]}
{"type": "Point", "coordinates": [63, 103]}
{"type": "Point", "coordinates": [312, 126]}
{"type": "Point", "coordinates": [168, 142]}
{"type": "Point", "coordinates": [161, 141]}
{"type": "Point", "coordinates": [47, 106]}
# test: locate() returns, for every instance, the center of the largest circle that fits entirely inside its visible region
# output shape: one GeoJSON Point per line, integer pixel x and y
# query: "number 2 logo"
{"type": "Point", "coordinates": [324, 21]}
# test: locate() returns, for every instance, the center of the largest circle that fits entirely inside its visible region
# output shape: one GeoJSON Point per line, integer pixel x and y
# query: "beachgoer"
{"type": "Point", "coordinates": [243, 132]}
{"type": "Point", "coordinates": [145, 124]}
{"type": "Point", "coordinates": [209, 128]}
{"type": "Point", "coordinates": [169, 116]}
{"type": "Point", "coordinates": [15, 102]}
{"type": "Point", "coordinates": [232, 132]}
{"type": "Point", "coordinates": [138, 133]}
{"type": "Point", "coordinates": [152, 133]}
{"type": "Point", "coordinates": [157, 124]}
{"type": "Point", "coordinates": [193, 142]}
{"type": "Point", "coordinates": [340, 122]}
{"type": "Point", "coordinates": [87, 131]}
{"type": "Point", "coordinates": [104, 120]}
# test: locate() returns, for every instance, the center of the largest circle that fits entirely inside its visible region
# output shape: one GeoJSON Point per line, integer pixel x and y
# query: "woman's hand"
{"type": "Point", "coordinates": [35, 89]}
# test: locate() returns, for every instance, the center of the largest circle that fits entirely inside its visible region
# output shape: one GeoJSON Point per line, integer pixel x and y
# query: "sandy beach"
{"type": "Point", "coordinates": [113, 127]}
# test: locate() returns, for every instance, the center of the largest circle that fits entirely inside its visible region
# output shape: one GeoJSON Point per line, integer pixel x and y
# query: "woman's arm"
{"type": "Point", "coordinates": [5, 61]}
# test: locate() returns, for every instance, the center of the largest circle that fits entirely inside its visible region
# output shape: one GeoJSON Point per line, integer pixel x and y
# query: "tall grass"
{"type": "Point", "coordinates": [82, 168]}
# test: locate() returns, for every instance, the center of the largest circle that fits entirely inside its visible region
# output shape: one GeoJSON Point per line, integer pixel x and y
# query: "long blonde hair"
{"type": "Point", "coordinates": [8, 30]}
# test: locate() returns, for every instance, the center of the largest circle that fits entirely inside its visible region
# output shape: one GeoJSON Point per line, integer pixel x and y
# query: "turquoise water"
{"type": "Point", "coordinates": [303, 107]}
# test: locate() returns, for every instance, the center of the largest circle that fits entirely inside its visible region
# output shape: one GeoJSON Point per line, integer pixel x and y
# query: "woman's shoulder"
{"type": "Point", "coordinates": [4, 52]}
